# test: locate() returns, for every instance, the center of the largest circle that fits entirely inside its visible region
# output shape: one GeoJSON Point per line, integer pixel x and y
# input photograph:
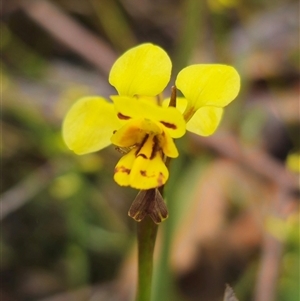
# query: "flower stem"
{"type": "Point", "coordinates": [146, 232]}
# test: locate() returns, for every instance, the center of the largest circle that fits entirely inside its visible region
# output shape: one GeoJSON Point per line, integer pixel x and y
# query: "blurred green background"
{"type": "Point", "coordinates": [233, 203]}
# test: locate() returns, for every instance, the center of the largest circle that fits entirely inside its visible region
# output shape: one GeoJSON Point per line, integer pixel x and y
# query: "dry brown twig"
{"type": "Point", "coordinates": [70, 33]}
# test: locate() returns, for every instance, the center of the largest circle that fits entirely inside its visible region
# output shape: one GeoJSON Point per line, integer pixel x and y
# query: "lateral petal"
{"type": "Point", "coordinates": [89, 124]}
{"type": "Point", "coordinates": [142, 70]}
{"type": "Point", "coordinates": [208, 85]}
{"type": "Point", "coordinates": [205, 121]}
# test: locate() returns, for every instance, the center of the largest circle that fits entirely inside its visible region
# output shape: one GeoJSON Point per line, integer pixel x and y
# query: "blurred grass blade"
{"type": "Point", "coordinates": [189, 35]}
{"type": "Point", "coordinates": [114, 23]}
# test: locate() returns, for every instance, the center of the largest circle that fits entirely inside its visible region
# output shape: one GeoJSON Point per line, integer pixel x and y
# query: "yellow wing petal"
{"type": "Point", "coordinates": [89, 125]}
{"type": "Point", "coordinates": [142, 70]}
{"type": "Point", "coordinates": [208, 85]}
{"type": "Point", "coordinates": [205, 121]}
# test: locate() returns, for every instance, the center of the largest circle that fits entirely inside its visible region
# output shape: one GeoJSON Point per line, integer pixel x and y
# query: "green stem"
{"type": "Point", "coordinates": [146, 232]}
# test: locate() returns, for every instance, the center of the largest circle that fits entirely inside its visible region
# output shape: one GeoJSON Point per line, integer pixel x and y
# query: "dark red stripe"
{"type": "Point", "coordinates": [123, 117]}
{"type": "Point", "coordinates": [169, 125]}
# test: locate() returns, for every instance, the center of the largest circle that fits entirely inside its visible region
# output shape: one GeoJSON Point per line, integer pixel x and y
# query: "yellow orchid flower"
{"type": "Point", "coordinates": [133, 121]}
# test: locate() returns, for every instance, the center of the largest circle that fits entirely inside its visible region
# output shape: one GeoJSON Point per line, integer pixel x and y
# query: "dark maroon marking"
{"type": "Point", "coordinates": [143, 173]}
{"type": "Point", "coordinates": [141, 145]}
{"type": "Point", "coordinates": [169, 125]}
{"type": "Point", "coordinates": [122, 169]}
{"type": "Point", "coordinates": [123, 117]}
{"type": "Point", "coordinates": [155, 147]}
{"type": "Point", "coordinates": [142, 155]}
{"type": "Point", "coordinates": [160, 179]}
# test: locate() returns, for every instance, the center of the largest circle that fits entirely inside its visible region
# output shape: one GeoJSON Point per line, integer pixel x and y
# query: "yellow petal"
{"type": "Point", "coordinates": [141, 171]}
{"type": "Point", "coordinates": [123, 168]}
{"type": "Point", "coordinates": [208, 85]}
{"type": "Point", "coordinates": [134, 131]}
{"type": "Point", "coordinates": [205, 121]}
{"type": "Point", "coordinates": [148, 173]}
{"type": "Point", "coordinates": [167, 144]}
{"type": "Point", "coordinates": [89, 124]}
{"type": "Point", "coordinates": [142, 70]}
{"type": "Point", "coordinates": [171, 119]}
{"type": "Point", "coordinates": [148, 147]}
{"type": "Point", "coordinates": [152, 99]}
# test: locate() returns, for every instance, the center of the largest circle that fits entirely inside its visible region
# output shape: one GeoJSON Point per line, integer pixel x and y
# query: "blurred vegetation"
{"type": "Point", "coordinates": [233, 203]}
